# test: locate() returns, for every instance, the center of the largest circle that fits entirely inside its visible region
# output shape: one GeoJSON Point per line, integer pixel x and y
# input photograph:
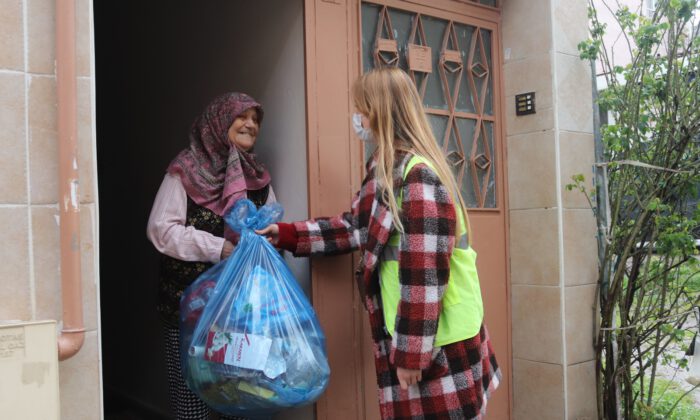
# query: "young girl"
{"type": "Point", "coordinates": [186, 225]}
{"type": "Point", "coordinates": [417, 275]}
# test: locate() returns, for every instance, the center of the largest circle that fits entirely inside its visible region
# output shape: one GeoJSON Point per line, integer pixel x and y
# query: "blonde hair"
{"type": "Point", "coordinates": [388, 97]}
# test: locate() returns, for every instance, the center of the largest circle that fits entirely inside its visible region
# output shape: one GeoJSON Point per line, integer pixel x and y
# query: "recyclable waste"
{"type": "Point", "coordinates": [251, 344]}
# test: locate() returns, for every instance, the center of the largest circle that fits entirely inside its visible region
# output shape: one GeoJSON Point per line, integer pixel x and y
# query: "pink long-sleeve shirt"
{"type": "Point", "coordinates": [168, 233]}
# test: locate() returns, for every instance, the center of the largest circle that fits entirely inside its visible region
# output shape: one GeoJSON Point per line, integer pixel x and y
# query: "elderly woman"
{"type": "Point", "coordinates": [186, 223]}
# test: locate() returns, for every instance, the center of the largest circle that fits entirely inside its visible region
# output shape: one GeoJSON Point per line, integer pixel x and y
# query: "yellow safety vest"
{"type": "Point", "coordinates": [462, 309]}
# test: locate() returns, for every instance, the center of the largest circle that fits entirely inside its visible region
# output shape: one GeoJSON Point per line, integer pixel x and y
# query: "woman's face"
{"type": "Point", "coordinates": [244, 130]}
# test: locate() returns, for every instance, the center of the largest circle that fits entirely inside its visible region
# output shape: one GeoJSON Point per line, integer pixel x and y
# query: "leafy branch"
{"type": "Point", "coordinates": [648, 173]}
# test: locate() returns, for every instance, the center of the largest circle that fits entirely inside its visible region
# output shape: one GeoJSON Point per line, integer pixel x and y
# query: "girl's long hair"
{"type": "Point", "coordinates": [389, 99]}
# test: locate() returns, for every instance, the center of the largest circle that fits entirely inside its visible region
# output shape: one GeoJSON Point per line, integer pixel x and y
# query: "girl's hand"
{"type": "Point", "coordinates": [226, 250]}
{"type": "Point", "coordinates": [408, 377]}
{"type": "Point", "coordinates": [272, 232]}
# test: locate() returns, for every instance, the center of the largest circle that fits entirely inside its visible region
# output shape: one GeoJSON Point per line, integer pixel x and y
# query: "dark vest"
{"type": "Point", "coordinates": [176, 275]}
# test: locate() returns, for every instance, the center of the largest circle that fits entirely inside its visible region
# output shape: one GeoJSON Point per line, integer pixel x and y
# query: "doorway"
{"type": "Point", "coordinates": [157, 65]}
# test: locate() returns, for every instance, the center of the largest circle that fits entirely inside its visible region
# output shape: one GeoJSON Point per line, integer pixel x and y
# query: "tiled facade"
{"type": "Point", "coordinates": [552, 242]}
{"type": "Point", "coordinates": [30, 286]}
{"type": "Point", "coordinates": [552, 230]}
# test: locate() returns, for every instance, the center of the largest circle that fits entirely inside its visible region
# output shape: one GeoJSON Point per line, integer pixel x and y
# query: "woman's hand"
{"type": "Point", "coordinates": [271, 231]}
{"type": "Point", "coordinates": [408, 377]}
{"type": "Point", "coordinates": [226, 250]}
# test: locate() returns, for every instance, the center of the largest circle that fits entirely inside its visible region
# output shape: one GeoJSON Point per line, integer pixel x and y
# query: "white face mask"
{"type": "Point", "coordinates": [365, 134]}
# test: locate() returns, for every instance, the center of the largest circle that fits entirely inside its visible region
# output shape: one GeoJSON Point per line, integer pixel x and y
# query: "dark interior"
{"type": "Point", "coordinates": [157, 65]}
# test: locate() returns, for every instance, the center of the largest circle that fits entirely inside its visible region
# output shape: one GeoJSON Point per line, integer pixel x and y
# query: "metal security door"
{"type": "Point", "coordinates": [453, 60]}
{"type": "Point", "coordinates": [451, 49]}
{"type": "Point", "coordinates": [451, 65]}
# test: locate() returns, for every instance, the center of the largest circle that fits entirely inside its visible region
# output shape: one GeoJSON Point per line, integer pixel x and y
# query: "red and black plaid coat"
{"type": "Point", "coordinates": [457, 378]}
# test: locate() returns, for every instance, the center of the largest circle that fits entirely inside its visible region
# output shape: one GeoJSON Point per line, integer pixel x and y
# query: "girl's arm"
{"type": "Point", "coordinates": [429, 222]}
{"type": "Point", "coordinates": [168, 233]}
{"type": "Point", "coordinates": [321, 236]}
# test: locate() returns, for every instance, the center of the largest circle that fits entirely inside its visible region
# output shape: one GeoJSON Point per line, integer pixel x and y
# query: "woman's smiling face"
{"type": "Point", "coordinates": [244, 130]}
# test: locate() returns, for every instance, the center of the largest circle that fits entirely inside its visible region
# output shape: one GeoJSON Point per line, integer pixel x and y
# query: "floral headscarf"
{"type": "Point", "coordinates": [214, 172]}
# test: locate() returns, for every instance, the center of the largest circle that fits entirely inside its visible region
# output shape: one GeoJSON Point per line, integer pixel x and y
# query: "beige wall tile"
{"type": "Point", "coordinates": [526, 28]}
{"type": "Point", "coordinates": [13, 140]}
{"type": "Point", "coordinates": [11, 35]}
{"type": "Point", "coordinates": [80, 384]}
{"type": "Point", "coordinates": [85, 142]}
{"type": "Point", "coordinates": [536, 323]}
{"type": "Point", "coordinates": [534, 254]}
{"type": "Point", "coordinates": [532, 74]}
{"type": "Point", "coordinates": [47, 264]}
{"type": "Point", "coordinates": [570, 25]}
{"type": "Point", "coordinates": [43, 148]}
{"type": "Point", "coordinates": [580, 247]}
{"type": "Point", "coordinates": [538, 391]}
{"type": "Point", "coordinates": [88, 272]}
{"type": "Point", "coordinates": [574, 101]}
{"type": "Point", "coordinates": [532, 171]}
{"type": "Point", "coordinates": [14, 270]}
{"type": "Point", "coordinates": [41, 29]}
{"type": "Point", "coordinates": [581, 393]}
{"type": "Point", "coordinates": [579, 323]}
{"type": "Point", "coordinates": [43, 140]}
{"type": "Point", "coordinates": [542, 120]}
{"type": "Point", "coordinates": [577, 157]}
{"type": "Point", "coordinates": [83, 35]}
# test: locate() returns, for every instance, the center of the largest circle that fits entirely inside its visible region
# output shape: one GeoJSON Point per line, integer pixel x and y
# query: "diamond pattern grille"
{"type": "Point", "coordinates": [451, 65]}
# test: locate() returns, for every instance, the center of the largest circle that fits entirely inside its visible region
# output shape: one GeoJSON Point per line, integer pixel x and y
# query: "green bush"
{"type": "Point", "coordinates": [667, 394]}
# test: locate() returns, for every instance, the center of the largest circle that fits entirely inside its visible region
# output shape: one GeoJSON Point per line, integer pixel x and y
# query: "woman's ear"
{"type": "Point", "coordinates": [365, 121]}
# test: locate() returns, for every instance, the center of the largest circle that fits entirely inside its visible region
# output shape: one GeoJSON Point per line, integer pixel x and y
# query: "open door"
{"type": "Point", "coordinates": [452, 51]}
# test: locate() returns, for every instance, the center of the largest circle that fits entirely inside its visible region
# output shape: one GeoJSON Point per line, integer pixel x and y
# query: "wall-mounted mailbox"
{"type": "Point", "coordinates": [29, 371]}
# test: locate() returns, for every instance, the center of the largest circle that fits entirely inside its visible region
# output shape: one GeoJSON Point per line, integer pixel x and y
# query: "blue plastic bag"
{"type": "Point", "coordinates": [250, 341]}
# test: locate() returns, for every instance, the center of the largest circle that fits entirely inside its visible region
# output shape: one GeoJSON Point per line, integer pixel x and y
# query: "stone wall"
{"type": "Point", "coordinates": [29, 269]}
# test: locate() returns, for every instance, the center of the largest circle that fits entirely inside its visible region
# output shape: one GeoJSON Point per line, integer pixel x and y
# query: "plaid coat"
{"type": "Point", "coordinates": [456, 378]}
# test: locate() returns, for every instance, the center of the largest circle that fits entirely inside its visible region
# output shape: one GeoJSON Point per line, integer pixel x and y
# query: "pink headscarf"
{"type": "Point", "coordinates": [215, 173]}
